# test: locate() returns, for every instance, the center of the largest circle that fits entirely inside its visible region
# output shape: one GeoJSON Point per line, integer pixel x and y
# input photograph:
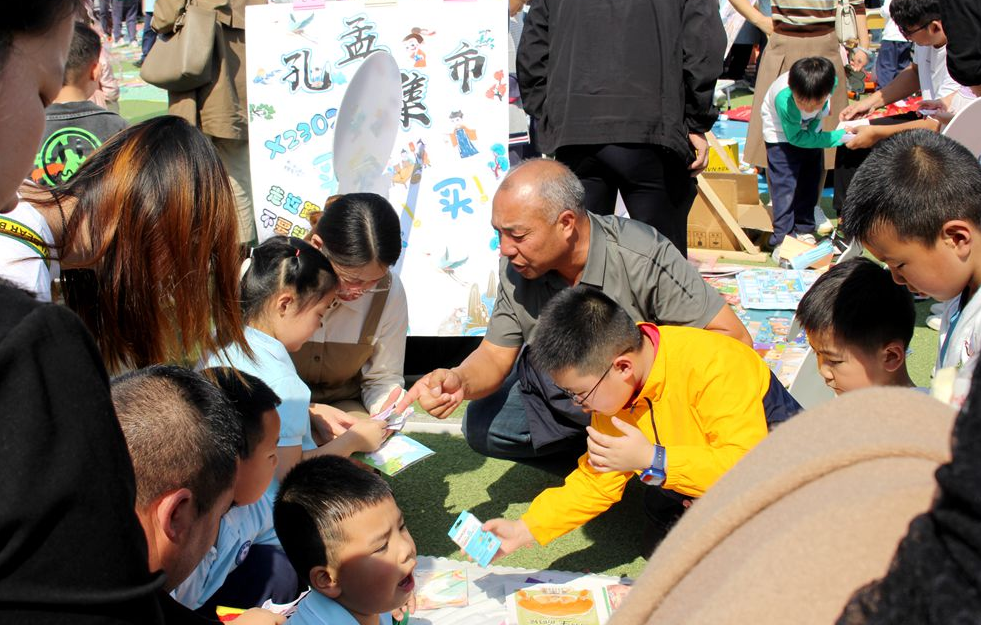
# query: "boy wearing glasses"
{"type": "Point", "coordinates": [919, 22]}
{"type": "Point", "coordinates": [677, 406]}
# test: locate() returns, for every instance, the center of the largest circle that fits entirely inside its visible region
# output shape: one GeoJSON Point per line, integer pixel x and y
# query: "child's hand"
{"type": "Point", "coordinates": [329, 422]}
{"type": "Point", "coordinates": [258, 616]}
{"type": "Point", "coordinates": [630, 452]}
{"type": "Point", "coordinates": [513, 534]}
{"type": "Point", "coordinates": [399, 613]}
{"type": "Point", "coordinates": [367, 435]}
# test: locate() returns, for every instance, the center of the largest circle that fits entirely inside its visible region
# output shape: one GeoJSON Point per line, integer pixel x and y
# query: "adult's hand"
{"type": "Point", "coordinates": [856, 110]}
{"type": "Point", "coordinates": [701, 153]}
{"type": "Point", "coordinates": [513, 534]}
{"type": "Point", "coordinates": [438, 392]}
{"type": "Point", "coordinates": [865, 137]}
{"type": "Point", "coordinates": [765, 24]}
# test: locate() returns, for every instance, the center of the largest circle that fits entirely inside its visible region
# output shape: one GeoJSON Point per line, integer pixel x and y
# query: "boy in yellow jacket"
{"type": "Point", "coordinates": [678, 406]}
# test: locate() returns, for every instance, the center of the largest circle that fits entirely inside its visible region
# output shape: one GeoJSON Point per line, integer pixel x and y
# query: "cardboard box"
{"type": "Point", "coordinates": [740, 195]}
{"type": "Point", "coordinates": [716, 164]}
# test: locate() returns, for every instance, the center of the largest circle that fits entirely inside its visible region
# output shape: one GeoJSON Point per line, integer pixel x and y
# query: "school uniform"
{"type": "Point", "coordinates": [960, 340]}
{"type": "Point", "coordinates": [794, 143]}
{"type": "Point", "coordinates": [272, 365]}
{"type": "Point", "coordinates": [316, 609]}
{"type": "Point", "coordinates": [241, 528]}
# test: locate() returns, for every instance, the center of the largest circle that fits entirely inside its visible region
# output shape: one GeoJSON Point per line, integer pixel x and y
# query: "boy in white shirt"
{"type": "Point", "coordinates": [916, 205]}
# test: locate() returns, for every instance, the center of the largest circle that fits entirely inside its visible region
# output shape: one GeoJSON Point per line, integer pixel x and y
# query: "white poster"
{"type": "Point", "coordinates": [448, 117]}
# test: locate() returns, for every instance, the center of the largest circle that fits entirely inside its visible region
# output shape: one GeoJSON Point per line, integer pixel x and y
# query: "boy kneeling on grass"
{"type": "Point", "coordinates": [678, 406]}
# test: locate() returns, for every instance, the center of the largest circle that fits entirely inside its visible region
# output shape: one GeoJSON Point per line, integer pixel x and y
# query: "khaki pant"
{"type": "Point", "coordinates": [234, 154]}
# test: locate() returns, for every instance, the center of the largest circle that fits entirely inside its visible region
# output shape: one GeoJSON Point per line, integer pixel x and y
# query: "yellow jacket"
{"type": "Point", "coordinates": [707, 392]}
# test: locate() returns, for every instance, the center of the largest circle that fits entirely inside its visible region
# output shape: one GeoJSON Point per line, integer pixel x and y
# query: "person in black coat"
{"type": "Point", "coordinates": [623, 93]}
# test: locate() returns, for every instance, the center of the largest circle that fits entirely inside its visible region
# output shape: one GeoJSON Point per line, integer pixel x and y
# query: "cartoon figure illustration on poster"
{"type": "Point", "coordinates": [462, 137]}
{"type": "Point", "coordinates": [413, 46]}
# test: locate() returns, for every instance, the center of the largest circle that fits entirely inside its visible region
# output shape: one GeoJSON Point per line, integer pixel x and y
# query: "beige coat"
{"type": "Point", "coordinates": [808, 516]}
{"type": "Point", "coordinates": [220, 109]}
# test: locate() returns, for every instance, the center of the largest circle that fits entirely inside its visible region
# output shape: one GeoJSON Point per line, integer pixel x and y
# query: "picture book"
{"type": "Point", "coordinates": [774, 289]}
{"type": "Point", "coordinates": [396, 454]}
{"type": "Point", "coordinates": [441, 588]}
{"type": "Point", "coordinates": [547, 604]}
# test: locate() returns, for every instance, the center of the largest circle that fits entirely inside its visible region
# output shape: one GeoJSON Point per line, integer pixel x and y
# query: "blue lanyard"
{"type": "Point", "coordinates": [951, 326]}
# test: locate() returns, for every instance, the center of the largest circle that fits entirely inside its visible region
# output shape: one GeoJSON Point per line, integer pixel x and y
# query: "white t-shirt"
{"type": "Point", "coordinates": [935, 82]}
{"type": "Point", "coordinates": [890, 32]}
{"type": "Point", "coordinates": [25, 251]}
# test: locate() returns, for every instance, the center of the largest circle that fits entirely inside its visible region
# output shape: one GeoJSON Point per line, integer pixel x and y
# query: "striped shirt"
{"type": "Point", "coordinates": [808, 18]}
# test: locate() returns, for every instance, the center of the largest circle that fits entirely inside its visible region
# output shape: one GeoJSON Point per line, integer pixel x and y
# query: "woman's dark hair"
{"type": "Point", "coordinates": [360, 228]}
{"type": "Point", "coordinates": [155, 226]}
{"type": "Point", "coordinates": [812, 78]}
{"type": "Point", "coordinates": [32, 18]}
{"type": "Point", "coordinates": [284, 263]}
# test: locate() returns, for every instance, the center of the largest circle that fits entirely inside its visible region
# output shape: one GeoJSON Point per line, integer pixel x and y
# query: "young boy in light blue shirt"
{"type": "Point", "coordinates": [345, 535]}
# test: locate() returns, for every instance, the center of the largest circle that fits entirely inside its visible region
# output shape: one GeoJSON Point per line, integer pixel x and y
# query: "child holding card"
{"type": "Point", "coordinates": [287, 287]}
{"type": "Point", "coordinates": [792, 112]}
{"type": "Point", "coordinates": [678, 406]}
{"type": "Point", "coordinates": [345, 535]}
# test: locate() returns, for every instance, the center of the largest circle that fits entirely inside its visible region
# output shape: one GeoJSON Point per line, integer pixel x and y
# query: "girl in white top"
{"type": "Point", "coordinates": [25, 250]}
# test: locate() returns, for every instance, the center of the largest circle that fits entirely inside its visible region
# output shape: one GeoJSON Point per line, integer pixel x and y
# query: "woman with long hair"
{"type": "Point", "coordinates": [73, 548]}
{"type": "Point", "coordinates": [146, 236]}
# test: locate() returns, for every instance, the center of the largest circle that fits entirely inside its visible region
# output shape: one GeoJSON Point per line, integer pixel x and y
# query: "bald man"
{"type": "Point", "coordinates": [550, 242]}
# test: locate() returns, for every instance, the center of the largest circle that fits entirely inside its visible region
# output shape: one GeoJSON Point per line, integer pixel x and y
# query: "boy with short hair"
{"type": "Point", "coordinates": [247, 528]}
{"type": "Point", "coordinates": [183, 438]}
{"type": "Point", "coordinates": [75, 127]}
{"type": "Point", "coordinates": [792, 112]}
{"type": "Point", "coordinates": [915, 204]}
{"type": "Point", "coordinates": [679, 406]}
{"type": "Point", "coordinates": [859, 324]}
{"type": "Point", "coordinates": [344, 533]}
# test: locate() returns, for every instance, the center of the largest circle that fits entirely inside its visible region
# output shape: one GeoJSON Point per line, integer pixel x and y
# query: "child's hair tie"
{"type": "Point", "coordinates": [246, 263]}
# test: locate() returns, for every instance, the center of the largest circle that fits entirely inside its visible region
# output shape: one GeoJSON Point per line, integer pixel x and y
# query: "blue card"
{"type": "Point", "coordinates": [478, 544]}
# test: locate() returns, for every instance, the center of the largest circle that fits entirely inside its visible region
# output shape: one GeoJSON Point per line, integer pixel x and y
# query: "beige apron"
{"type": "Point", "coordinates": [333, 370]}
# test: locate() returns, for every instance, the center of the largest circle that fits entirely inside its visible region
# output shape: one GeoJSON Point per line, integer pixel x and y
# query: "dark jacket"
{"type": "Point", "coordinates": [71, 547]}
{"type": "Point", "coordinates": [621, 71]}
{"type": "Point", "coordinates": [962, 24]}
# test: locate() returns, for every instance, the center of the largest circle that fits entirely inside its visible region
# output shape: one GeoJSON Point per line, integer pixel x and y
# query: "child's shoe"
{"type": "Point", "coordinates": [821, 222]}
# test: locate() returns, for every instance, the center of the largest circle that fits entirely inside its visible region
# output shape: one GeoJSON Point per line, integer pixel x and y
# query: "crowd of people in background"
{"type": "Point", "coordinates": [214, 467]}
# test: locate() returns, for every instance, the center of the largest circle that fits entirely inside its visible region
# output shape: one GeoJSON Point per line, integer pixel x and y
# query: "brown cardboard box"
{"type": "Point", "coordinates": [740, 195]}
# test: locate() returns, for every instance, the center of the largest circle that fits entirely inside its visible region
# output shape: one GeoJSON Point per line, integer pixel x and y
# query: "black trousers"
{"type": "Point", "coordinates": [655, 183]}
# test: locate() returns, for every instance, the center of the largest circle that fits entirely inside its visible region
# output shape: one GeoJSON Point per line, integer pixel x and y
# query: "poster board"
{"type": "Point", "coordinates": [450, 150]}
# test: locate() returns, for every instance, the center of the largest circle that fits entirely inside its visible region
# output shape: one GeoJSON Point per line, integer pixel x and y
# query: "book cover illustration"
{"type": "Point", "coordinates": [441, 589]}
{"type": "Point", "coordinates": [395, 455]}
{"type": "Point", "coordinates": [555, 605]}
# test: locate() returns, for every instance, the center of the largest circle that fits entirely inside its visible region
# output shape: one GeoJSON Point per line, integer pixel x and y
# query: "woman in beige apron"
{"type": "Point", "coordinates": [355, 360]}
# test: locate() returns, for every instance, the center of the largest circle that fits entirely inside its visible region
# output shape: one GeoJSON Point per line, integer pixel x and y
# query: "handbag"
{"type": "Point", "coordinates": [182, 61]}
{"type": "Point", "coordinates": [846, 22]}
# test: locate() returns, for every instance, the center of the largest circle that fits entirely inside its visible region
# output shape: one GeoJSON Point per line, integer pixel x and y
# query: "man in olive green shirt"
{"type": "Point", "coordinates": [549, 242]}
